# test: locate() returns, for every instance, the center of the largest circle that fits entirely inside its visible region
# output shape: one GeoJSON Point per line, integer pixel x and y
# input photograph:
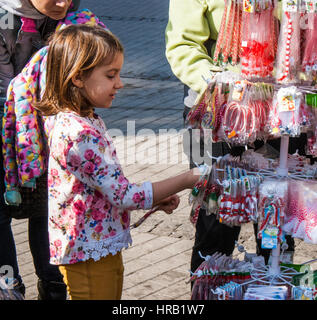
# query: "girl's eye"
{"type": "Point", "coordinates": [110, 76]}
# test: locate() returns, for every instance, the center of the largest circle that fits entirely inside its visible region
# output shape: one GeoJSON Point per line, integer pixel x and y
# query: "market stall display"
{"type": "Point", "coordinates": [274, 96]}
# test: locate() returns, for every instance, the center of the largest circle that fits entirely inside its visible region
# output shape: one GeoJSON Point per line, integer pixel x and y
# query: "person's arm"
{"type": "Point", "coordinates": [186, 33]}
{"type": "Point", "coordinates": [6, 70]}
{"type": "Point", "coordinates": [7, 116]}
{"type": "Point", "coordinates": [94, 164]}
{"type": "Point", "coordinates": [163, 189]}
{"type": "Point", "coordinates": [91, 159]}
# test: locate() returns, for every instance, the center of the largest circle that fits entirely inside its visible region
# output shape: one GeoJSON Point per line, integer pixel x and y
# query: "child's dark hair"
{"type": "Point", "coordinates": [73, 50]}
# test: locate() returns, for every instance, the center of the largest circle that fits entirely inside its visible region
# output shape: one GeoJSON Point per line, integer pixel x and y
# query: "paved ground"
{"type": "Point", "coordinates": [146, 122]}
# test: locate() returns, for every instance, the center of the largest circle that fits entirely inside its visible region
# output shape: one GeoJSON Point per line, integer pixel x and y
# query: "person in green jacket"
{"type": "Point", "coordinates": [191, 36]}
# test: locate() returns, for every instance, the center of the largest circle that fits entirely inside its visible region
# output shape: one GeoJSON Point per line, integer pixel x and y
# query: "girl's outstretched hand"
{"type": "Point", "coordinates": [169, 204]}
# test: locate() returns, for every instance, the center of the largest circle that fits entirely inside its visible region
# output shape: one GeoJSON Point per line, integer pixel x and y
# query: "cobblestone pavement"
{"type": "Point", "coordinates": [146, 123]}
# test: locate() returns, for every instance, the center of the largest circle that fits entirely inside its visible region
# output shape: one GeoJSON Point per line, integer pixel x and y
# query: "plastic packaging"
{"type": "Point", "coordinates": [263, 292]}
{"type": "Point", "coordinates": [309, 61]}
{"type": "Point", "coordinates": [301, 214]}
{"type": "Point", "coordinates": [288, 62]}
{"type": "Point", "coordinates": [258, 45]}
{"type": "Point", "coordinates": [272, 202]}
{"type": "Point", "coordinates": [284, 116]}
{"type": "Point", "coordinates": [219, 277]}
{"type": "Point", "coordinates": [245, 115]}
{"type": "Point", "coordinates": [238, 122]}
{"type": "Point", "coordinates": [238, 200]}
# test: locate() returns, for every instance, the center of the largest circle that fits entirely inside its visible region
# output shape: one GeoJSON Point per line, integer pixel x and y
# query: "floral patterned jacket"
{"type": "Point", "coordinates": [24, 143]}
{"type": "Point", "coordinates": [89, 197]}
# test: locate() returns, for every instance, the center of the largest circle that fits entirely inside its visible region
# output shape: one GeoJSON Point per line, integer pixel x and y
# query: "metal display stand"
{"type": "Point", "coordinates": [282, 171]}
{"type": "Point", "coordinates": [273, 273]}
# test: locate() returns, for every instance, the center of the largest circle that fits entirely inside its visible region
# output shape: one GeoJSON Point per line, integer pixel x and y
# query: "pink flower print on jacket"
{"type": "Point", "coordinates": [125, 220]}
{"type": "Point", "coordinates": [89, 197]}
{"type": "Point", "coordinates": [139, 197]}
{"type": "Point", "coordinates": [89, 168]}
{"type": "Point", "coordinates": [89, 155]}
{"type": "Point", "coordinates": [78, 187]}
{"type": "Point", "coordinates": [79, 207]}
{"type": "Point", "coordinates": [75, 161]}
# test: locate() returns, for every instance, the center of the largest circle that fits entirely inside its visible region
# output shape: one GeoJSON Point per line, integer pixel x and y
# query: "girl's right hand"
{"type": "Point", "coordinates": [169, 204]}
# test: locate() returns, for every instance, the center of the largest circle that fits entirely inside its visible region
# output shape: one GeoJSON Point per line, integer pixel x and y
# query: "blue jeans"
{"type": "Point", "coordinates": [38, 239]}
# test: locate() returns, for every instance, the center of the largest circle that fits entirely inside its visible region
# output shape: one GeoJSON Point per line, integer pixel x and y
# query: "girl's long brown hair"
{"type": "Point", "coordinates": [76, 49]}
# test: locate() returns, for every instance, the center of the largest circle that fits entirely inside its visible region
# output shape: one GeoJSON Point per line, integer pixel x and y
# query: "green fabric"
{"type": "Point", "coordinates": [191, 23]}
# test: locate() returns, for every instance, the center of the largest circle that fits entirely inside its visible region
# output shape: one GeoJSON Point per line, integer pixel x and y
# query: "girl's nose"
{"type": "Point", "coordinates": [119, 84]}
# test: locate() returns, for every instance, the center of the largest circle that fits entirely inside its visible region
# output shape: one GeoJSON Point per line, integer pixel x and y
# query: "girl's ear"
{"type": "Point", "coordinates": [77, 80]}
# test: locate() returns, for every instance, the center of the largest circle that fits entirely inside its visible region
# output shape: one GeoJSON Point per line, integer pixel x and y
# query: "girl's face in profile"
{"type": "Point", "coordinates": [55, 9]}
{"type": "Point", "coordinates": [102, 84]}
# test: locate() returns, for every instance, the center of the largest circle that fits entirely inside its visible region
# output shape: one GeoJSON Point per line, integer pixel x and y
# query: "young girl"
{"type": "Point", "coordinates": [90, 199]}
{"type": "Point", "coordinates": [24, 28]}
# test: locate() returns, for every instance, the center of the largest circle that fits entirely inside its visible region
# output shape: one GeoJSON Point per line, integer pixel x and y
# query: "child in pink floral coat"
{"type": "Point", "coordinates": [90, 199]}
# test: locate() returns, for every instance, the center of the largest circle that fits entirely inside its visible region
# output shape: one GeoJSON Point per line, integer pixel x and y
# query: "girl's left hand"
{"type": "Point", "coordinates": [169, 204]}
